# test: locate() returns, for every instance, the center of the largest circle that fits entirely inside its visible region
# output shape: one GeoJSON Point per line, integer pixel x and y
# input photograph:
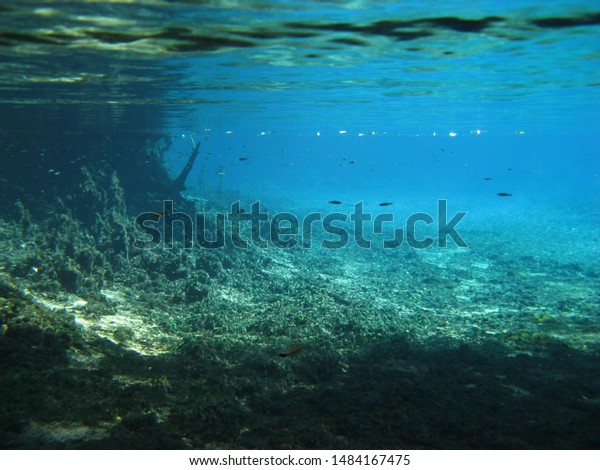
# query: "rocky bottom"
{"type": "Point", "coordinates": [495, 346]}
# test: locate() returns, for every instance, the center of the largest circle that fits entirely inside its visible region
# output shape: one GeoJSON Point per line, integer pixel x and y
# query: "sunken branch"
{"type": "Point", "coordinates": [179, 183]}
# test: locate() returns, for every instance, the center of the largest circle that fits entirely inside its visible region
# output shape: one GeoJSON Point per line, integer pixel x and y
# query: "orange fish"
{"type": "Point", "coordinates": [292, 351]}
{"type": "Point", "coordinates": [158, 215]}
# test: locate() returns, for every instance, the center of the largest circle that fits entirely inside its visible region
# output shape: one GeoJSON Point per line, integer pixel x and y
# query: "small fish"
{"type": "Point", "coordinates": [383, 204]}
{"type": "Point", "coordinates": [241, 211]}
{"type": "Point", "coordinates": [292, 351]}
{"type": "Point", "coordinates": [241, 159]}
{"type": "Point", "coordinates": [335, 201]}
{"type": "Point", "coordinates": [504, 194]}
{"type": "Point", "coordinates": [487, 178]}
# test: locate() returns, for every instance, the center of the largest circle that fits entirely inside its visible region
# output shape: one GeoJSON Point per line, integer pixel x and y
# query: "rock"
{"type": "Point", "coordinates": [196, 292]}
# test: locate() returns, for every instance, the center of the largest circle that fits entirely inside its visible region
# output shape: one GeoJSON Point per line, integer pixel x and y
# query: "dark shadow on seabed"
{"type": "Point", "coordinates": [212, 394]}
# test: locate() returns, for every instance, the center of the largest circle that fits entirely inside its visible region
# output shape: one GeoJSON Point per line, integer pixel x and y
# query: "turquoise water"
{"type": "Point", "coordinates": [411, 115]}
{"type": "Point", "coordinates": [408, 68]}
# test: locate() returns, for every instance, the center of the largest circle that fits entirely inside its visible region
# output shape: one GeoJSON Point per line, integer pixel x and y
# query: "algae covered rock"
{"type": "Point", "coordinates": [196, 291]}
{"type": "Point", "coordinates": [69, 276]}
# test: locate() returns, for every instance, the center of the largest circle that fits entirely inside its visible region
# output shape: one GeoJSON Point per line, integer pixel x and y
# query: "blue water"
{"type": "Point", "coordinates": [306, 108]}
{"type": "Point", "coordinates": [310, 168]}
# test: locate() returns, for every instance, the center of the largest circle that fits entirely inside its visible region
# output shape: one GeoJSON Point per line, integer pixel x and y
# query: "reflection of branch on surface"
{"type": "Point", "coordinates": [179, 183]}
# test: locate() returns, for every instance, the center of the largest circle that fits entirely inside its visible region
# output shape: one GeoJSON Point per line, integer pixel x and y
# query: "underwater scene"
{"type": "Point", "coordinates": [361, 224]}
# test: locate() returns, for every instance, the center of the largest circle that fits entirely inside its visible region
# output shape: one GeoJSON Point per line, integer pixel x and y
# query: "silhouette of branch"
{"type": "Point", "coordinates": [179, 183]}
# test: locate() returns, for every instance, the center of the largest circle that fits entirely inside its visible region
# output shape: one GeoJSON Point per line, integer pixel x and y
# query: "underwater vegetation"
{"type": "Point", "coordinates": [119, 120]}
{"type": "Point", "coordinates": [105, 345]}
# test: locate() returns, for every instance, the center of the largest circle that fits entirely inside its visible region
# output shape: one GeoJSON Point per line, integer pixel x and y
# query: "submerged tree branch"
{"type": "Point", "coordinates": [179, 183]}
